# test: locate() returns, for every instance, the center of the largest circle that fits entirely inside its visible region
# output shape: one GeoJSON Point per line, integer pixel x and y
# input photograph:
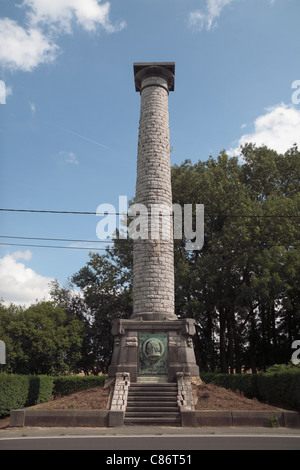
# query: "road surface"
{"type": "Point", "coordinates": [158, 439]}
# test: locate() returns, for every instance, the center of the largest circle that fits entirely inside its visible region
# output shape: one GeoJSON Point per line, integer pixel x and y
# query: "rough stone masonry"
{"type": "Point", "coordinates": [153, 257]}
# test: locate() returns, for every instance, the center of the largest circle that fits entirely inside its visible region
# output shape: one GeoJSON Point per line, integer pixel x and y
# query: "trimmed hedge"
{"type": "Point", "coordinates": [245, 383]}
{"type": "Point", "coordinates": [18, 391]}
{"type": "Point", "coordinates": [13, 392]}
{"type": "Point", "coordinates": [281, 389]}
{"type": "Point", "coordinates": [277, 388]}
{"type": "Point", "coordinates": [66, 385]}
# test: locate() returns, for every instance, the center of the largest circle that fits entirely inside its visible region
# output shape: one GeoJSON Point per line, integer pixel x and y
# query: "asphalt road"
{"type": "Point", "coordinates": [111, 444]}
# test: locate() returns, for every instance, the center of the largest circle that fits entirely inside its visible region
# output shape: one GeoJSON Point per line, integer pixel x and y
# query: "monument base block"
{"type": "Point", "coordinates": [153, 349]}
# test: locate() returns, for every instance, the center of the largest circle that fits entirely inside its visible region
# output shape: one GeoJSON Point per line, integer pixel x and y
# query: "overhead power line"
{"type": "Point", "coordinates": [108, 240]}
{"type": "Point", "coordinates": [90, 248]}
{"type": "Point", "coordinates": [49, 212]}
{"type": "Point", "coordinates": [54, 246]}
{"type": "Point", "coordinates": [286, 216]}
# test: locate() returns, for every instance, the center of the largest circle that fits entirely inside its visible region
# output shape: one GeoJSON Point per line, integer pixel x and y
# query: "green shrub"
{"type": "Point", "coordinates": [277, 388]}
{"type": "Point", "coordinates": [66, 385]}
{"type": "Point", "coordinates": [290, 367]}
{"type": "Point", "coordinates": [281, 389]}
{"type": "Point", "coordinates": [40, 389]}
{"type": "Point", "coordinates": [13, 392]}
{"type": "Point", "coordinates": [18, 391]}
{"type": "Point", "coordinates": [244, 383]}
{"type": "Point", "coordinates": [272, 422]}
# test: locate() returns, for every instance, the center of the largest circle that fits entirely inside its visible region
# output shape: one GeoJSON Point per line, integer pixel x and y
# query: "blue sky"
{"type": "Point", "coordinates": [69, 111]}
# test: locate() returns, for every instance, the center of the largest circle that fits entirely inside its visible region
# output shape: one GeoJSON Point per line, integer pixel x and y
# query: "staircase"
{"type": "Point", "coordinates": [152, 403]}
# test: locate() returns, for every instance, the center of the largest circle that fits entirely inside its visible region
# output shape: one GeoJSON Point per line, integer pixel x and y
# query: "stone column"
{"type": "Point", "coordinates": [153, 256]}
{"type": "Point", "coordinates": [153, 321]}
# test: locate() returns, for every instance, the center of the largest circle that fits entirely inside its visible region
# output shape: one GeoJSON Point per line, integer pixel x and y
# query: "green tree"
{"type": "Point", "coordinates": [105, 293]}
{"type": "Point", "coordinates": [238, 281]}
{"type": "Point", "coordinates": [41, 339]}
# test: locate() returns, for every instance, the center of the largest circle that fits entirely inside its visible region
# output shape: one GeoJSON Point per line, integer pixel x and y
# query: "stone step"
{"type": "Point", "coordinates": [151, 420]}
{"type": "Point", "coordinates": [157, 396]}
{"type": "Point", "coordinates": [153, 379]}
{"type": "Point", "coordinates": [143, 401]}
{"type": "Point", "coordinates": [152, 389]}
{"type": "Point", "coordinates": [152, 403]}
{"type": "Point", "coordinates": [153, 384]}
{"type": "Point", "coordinates": [152, 414]}
{"type": "Point", "coordinates": [151, 409]}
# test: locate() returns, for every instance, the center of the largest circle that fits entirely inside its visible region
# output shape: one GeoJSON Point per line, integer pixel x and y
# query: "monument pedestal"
{"type": "Point", "coordinates": [153, 350]}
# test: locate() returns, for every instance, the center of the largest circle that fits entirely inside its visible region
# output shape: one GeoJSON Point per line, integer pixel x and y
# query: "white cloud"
{"type": "Point", "coordinates": [2, 92]}
{"type": "Point", "coordinates": [69, 157]}
{"type": "Point", "coordinates": [60, 14]}
{"type": "Point", "coordinates": [5, 91]}
{"type": "Point", "coordinates": [9, 91]}
{"type": "Point", "coordinates": [32, 107]}
{"type": "Point", "coordinates": [19, 284]}
{"type": "Point", "coordinates": [199, 20]}
{"type": "Point", "coordinates": [27, 255]}
{"type": "Point", "coordinates": [278, 129]}
{"type": "Point", "coordinates": [24, 50]}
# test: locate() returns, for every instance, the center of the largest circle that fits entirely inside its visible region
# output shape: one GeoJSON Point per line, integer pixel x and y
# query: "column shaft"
{"type": "Point", "coordinates": [153, 258]}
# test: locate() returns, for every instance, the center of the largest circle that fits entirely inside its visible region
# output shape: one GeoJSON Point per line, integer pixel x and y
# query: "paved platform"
{"type": "Point", "coordinates": [100, 418]}
{"type": "Point", "coordinates": [145, 431]}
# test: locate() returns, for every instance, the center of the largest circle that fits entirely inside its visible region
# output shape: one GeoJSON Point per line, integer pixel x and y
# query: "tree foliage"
{"type": "Point", "coordinates": [244, 284]}
{"type": "Point", "coordinates": [41, 339]}
{"type": "Point", "coordinates": [105, 294]}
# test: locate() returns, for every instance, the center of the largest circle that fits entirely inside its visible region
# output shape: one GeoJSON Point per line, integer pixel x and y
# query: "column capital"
{"type": "Point", "coordinates": [152, 69]}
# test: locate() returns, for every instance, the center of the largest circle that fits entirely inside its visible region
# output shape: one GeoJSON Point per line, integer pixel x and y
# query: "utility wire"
{"type": "Point", "coordinates": [122, 213]}
{"type": "Point", "coordinates": [49, 212]}
{"type": "Point", "coordinates": [103, 249]}
{"type": "Point", "coordinates": [108, 240]}
{"type": "Point", "coordinates": [54, 246]}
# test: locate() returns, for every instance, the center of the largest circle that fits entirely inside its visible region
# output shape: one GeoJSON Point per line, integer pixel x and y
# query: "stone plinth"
{"type": "Point", "coordinates": [130, 355]}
